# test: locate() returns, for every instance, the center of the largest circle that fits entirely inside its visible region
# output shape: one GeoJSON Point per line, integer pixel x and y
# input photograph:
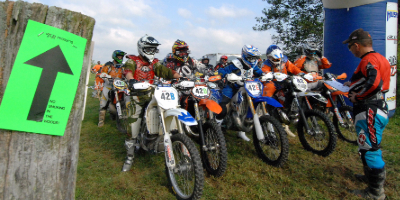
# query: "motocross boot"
{"type": "Point", "coordinates": [376, 179]}
{"type": "Point", "coordinates": [130, 145]}
{"type": "Point", "coordinates": [361, 177]}
{"type": "Point", "coordinates": [288, 131]}
{"type": "Point", "coordinates": [102, 116]}
{"type": "Point", "coordinates": [242, 135]}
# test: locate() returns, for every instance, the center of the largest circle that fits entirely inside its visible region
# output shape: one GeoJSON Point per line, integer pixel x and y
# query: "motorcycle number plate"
{"type": "Point", "coordinates": [254, 88]}
{"type": "Point", "coordinates": [167, 97]}
{"type": "Point", "coordinates": [119, 83]}
{"type": "Point", "coordinates": [201, 91]}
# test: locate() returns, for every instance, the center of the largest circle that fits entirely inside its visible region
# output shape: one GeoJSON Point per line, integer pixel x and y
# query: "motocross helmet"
{"type": "Point", "coordinates": [169, 58]}
{"type": "Point", "coordinates": [180, 50]}
{"type": "Point", "coordinates": [250, 55]}
{"type": "Point", "coordinates": [205, 58]}
{"type": "Point", "coordinates": [223, 57]}
{"type": "Point", "coordinates": [310, 48]}
{"type": "Point", "coordinates": [115, 55]}
{"type": "Point", "coordinates": [147, 47]}
{"type": "Point", "coordinates": [275, 56]}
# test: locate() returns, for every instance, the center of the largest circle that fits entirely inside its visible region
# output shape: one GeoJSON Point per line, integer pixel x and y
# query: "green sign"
{"type": "Point", "coordinates": [43, 81]}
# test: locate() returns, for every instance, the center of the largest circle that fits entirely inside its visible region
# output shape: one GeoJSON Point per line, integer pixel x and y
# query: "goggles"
{"type": "Point", "coordinates": [252, 59]}
{"type": "Point", "coordinates": [182, 52]}
{"type": "Point", "coordinates": [150, 50]}
{"type": "Point", "coordinates": [275, 60]}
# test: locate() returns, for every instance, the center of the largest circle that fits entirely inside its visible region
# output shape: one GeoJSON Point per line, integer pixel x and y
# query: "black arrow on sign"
{"type": "Point", "coordinates": [52, 62]}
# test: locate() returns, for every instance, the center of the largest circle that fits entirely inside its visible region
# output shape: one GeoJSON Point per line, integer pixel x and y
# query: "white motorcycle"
{"type": "Point", "coordinates": [182, 159]}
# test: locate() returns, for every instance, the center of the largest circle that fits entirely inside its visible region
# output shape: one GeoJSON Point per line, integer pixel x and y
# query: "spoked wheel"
{"type": "Point", "coordinates": [187, 177]}
{"type": "Point", "coordinates": [123, 123]}
{"type": "Point", "coordinates": [243, 109]}
{"type": "Point", "coordinates": [347, 131]}
{"type": "Point", "coordinates": [321, 139]}
{"type": "Point", "coordinates": [274, 149]}
{"type": "Point", "coordinates": [216, 157]}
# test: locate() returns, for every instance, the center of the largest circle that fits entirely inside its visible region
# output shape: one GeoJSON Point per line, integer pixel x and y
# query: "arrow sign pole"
{"type": "Point", "coordinates": [52, 62]}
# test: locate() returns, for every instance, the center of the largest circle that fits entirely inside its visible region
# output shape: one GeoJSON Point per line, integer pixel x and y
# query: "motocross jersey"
{"type": "Point", "coordinates": [239, 68]}
{"type": "Point", "coordinates": [371, 76]}
{"type": "Point", "coordinates": [141, 69]}
{"type": "Point", "coordinates": [111, 70]}
{"type": "Point", "coordinates": [313, 65]}
{"type": "Point", "coordinates": [287, 67]}
{"type": "Point", "coordinates": [189, 68]}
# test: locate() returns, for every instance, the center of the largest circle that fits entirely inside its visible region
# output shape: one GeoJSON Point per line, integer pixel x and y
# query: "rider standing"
{"type": "Point", "coordinates": [139, 68]}
{"type": "Point", "coordinates": [370, 80]}
{"type": "Point", "coordinates": [115, 70]}
{"type": "Point", "coordinates": [246, 66]}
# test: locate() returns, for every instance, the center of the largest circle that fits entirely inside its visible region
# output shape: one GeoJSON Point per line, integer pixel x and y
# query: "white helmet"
{"type": "Point", "coordinates": [147, 47]}
{"type": "Point", "coordinates": [275, 56]}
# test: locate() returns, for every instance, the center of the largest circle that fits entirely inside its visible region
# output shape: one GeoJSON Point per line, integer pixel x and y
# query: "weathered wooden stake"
{"type": "Point", "coordinates": [36, 166]}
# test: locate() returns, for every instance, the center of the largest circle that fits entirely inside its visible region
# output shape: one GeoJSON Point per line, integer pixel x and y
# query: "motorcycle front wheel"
{"type": "Point", "coordinates": [186, 178]}
{"type": "Point", "coordinates": [321, 138]}
{"type": "Point", "coordinates": [274, 150]}
{"type": "Point", "coordinates": [348, 131]}
{"type": "Point", "coordinates": [215, 159]}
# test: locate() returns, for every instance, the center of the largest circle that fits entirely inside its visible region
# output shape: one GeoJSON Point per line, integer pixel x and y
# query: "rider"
{"type": "Point", "coordinates": [277, 62]}
{"type": "Point", "coordinates": [246, 64]}
{"type": "Point", "coordinates": [312, 62]}
{"type": "Point", "coordinates": [222, 63]}
{"type": "Point", "coordinates": [183, 64]}
{"type": "Point", "coordinates": [368, 83]}
{"type": "Point", "coordinates": [206, 61]}
{"type": "Point", "coordinates": [98, 84]}
{"type": "Point", "coordinates": [115, 70]}
{"type": "Point", "coordinates": [169, 61]}
{"type": "Point", "coordinates": [138, 68]}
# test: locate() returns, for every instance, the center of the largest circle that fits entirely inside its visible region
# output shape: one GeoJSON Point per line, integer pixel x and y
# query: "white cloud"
{"type": "Point", "coordinates": [228, 11]}
{"type": "Point", "coordinates": [184, 13]}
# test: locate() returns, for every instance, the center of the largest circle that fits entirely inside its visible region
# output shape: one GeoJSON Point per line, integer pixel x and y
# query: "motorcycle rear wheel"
{"type": "Point", "coordinates": [274, 150]}
{"type": "Point", "coordinates": [187, 178]}
{"type": "Point", "coordinates": [347, 133]}
{"type": "Point", "coordinates": [215, 160]}
{"type": "Point", "coordinates": [321, 141]}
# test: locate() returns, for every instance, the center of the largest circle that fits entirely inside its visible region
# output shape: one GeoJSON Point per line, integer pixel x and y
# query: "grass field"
{"type": "Point", "coordinates": [305, 175]}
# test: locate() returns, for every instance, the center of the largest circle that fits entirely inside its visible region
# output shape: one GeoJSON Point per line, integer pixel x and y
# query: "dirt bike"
{"type": "Point", "coordinates": [316, 131]}
{"type": "Point", "coordinates": [182, 159]}
{"type": "Point", "coordinates": [116, 102]}
{"type": "Point", "coordinates": [343, 116]}
{"type": "Point", "coordinates": [195, 97]}
{"type": "Point", "coordinates": [269, 137]}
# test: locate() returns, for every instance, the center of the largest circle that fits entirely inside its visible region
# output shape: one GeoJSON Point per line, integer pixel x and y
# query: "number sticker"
{"type": "Point", "coordinates": [200, 91]}
{"type": "Point", "coordinates": [167, 96]}
{"type": "Point", "coordinates": [253, 87]}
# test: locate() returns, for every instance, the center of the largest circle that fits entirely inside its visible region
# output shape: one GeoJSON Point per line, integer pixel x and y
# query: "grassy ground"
{"type": "Point", "coordinates": [305, 176]}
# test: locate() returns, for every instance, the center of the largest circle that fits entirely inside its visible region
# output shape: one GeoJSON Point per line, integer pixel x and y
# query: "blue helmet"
{"type": "Point", "coordinates": [274, 55]}
{"type": "Point", "coordinates": [250, 55]}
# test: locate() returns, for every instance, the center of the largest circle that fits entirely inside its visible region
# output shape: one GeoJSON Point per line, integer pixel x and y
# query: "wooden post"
{"type": "Point", "coordinates": [35, 166]}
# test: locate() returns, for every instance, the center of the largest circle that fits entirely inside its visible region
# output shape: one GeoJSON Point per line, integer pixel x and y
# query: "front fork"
{"type": "Point", "coordinates": [118, 105]}
{"type": "Point", "coordinates": [256, 119]}
{"type": "Point", "coordinates": [169, 153]}
{"type": "Point", "coordinates": [303, 117]}
{"type": "Point", "coordinates": [200, 124]}
{"type": "Point", "coordinates": [336, 110]}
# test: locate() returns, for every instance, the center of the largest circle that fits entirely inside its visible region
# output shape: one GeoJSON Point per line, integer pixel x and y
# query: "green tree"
{"type": "Point", "coordinates": [295, 21]}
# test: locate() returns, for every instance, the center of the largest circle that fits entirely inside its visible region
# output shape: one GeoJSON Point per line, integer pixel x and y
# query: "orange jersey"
{"type": "Point", "coordinates": [288, 67]}
{"type": "Point", "coordinates": [371, 76]}
{"type": "Point", "coordinates": [96, 68]}
{"type": "Point", "coordinates": [324, 64]}
{"type": "Point", "coordinates": [112, 71]}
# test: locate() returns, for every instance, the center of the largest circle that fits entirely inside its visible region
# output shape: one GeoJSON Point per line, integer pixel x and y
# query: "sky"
{"type": "Point", "coordinates": [207, 26]}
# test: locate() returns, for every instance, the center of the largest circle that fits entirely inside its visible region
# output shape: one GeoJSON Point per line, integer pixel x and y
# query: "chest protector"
{"type": "Point", "coordinates": [243, 73]}
{"type": "Point", "coordinates": [310, 65]}
{"type": "Point", "coordinates": [144, 70]}
{"type": "Point", "coordinates": [185, 70]}
{"type": "Point", "coordinates": [113, 71]}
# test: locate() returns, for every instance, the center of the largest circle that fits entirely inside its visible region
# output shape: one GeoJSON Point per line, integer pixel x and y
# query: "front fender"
{"type": "Point", "coordinates": [211, 105]}
{"type": "Point", "coordinates": [271, 101]}
{"type": "Point", "coordinates": [183, 116]}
